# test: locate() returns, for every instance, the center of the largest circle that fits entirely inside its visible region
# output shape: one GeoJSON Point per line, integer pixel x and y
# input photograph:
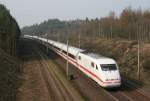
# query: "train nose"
{"type": "Point", "coordinates": [111, 79]}
{"type": "Point", "coordinates": [113, 75]}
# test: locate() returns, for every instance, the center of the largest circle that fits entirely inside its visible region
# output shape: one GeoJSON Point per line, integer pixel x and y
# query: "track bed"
{"type": "Point", "coordinates": [45, 80]}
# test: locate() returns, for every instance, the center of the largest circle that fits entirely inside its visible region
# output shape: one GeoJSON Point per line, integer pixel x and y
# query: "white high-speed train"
{"type": "Point", "coordinates": [101, 69]}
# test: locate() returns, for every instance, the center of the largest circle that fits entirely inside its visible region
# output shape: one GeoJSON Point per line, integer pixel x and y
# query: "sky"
{"type": "Point", "coordinates": [28, 12]}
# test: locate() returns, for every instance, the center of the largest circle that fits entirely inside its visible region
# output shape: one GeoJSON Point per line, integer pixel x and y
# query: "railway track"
{"type": "Point", "coordinates": [141, 92]}
{"type": "Point", "coordinates": [62, 89]}
{"type": "Point", "coordinates": [56, 83]}
{"type": "Point", "coordinates": [145, 90]}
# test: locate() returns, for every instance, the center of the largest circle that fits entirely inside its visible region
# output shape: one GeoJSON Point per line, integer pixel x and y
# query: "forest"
{"type": "Point", "coordinates": [9, 63]}
{"type": "Point", "coordinates": [132, 24]}
{"type": "Point", "coordinates": [9, 31]}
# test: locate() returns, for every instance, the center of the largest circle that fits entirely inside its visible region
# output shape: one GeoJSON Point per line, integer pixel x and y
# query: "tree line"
{"type": "Point", "coordinates": [9, 31]}
{"type": "Point", "coordinates": [131, 24]}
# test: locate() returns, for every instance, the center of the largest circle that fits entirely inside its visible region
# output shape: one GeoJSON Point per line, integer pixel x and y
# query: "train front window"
{"type": "Point", "coordinates": [108, 67]}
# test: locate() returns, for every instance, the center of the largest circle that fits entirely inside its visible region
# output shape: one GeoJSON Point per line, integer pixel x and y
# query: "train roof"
{"type": "Point", "coordinates": [101, 59]}
{"type": "Point", "coordinates": [72, 50]}
{"type": "Point", "coordinates": [95, 56]}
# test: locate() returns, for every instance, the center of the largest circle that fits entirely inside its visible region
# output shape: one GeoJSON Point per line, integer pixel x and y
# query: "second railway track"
{"type": "Point", "coordinates": [56, 83]}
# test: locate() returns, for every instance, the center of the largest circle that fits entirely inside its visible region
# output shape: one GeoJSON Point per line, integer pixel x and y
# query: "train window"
{"type": "Point", "coordinates": [96, 67]}
{"type": "Point", "coordinates": [79, 57]}
{"type": "Point", "coordinates": [108, 67]}
{"type": "Point", "coordinates": [92, 64]}
{"type": "Point", "coordinates": [71, 56]}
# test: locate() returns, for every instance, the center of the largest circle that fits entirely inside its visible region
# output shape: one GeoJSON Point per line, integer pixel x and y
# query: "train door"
{"type": "Point", "coordinates": [79, 59]}
{"type": "Point", "coordinates": [94, 67]}
{"type": "Point", "coordinates": [83, 64]}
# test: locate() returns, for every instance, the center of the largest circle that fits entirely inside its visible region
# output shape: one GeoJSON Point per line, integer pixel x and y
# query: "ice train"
{"type": "Point", "coordinates": [102, 70]}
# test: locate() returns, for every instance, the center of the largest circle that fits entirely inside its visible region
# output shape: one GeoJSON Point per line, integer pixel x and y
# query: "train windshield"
{"type": "Point", "coordinates": [108, 67]}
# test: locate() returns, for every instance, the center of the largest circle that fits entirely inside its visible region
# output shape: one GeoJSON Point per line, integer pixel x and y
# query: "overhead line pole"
{"type": "Point", "coordinates": [67, 70]}
{"type": "Point", "coordinates": [111, 32]}
{"type": "Point", "coordinates": [138, 72]}
{"type": "Point", "coordinates": [47, 43]}
{"type": "Point", "coordinates": [79, 40]}
{"type": "Point", "coordinates": [138, 60]}
{"type": "Point", "coordinates": [99, 29]}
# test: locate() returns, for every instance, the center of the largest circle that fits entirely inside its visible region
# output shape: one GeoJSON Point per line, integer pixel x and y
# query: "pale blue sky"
{"type": "Point", "coordinates": [28, 12]}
